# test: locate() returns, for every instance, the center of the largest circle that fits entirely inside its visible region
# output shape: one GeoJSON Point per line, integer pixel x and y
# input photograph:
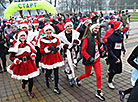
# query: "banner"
{"type": "Point", "coordinates": [29, 5]}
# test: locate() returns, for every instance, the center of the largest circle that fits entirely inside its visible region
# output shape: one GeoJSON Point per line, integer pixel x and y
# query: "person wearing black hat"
{"type": "Point", "coordinates": [60, 25]}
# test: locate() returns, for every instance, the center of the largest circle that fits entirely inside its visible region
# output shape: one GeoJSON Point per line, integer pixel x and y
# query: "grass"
{"type": "Point", "coordinates": [134, 17]}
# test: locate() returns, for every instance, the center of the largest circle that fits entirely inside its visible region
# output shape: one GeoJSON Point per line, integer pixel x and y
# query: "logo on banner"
{"type": "Point", "coordinates": [27, 5]}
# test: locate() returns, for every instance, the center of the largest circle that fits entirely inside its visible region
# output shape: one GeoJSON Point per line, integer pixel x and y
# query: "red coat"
{"type": "Point", "coordinates": [49, 59]}
{"type": "Point", "coordinates": [22, 70]}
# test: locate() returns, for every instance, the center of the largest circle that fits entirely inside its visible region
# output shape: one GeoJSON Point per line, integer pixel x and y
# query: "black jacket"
{"type": "Point", "coordinates": [115, 46]}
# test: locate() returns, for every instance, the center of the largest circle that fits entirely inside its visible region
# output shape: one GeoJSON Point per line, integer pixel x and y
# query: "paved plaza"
{"type": "Point", "coordinates": [11, 91]}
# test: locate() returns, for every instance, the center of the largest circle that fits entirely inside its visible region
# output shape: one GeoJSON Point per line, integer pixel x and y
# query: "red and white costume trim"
{"type": "Point", "coordinates": [70, 54]}
{"type": "Point", "coordinates": [49, 59]}
{"type": "Point", "coordinates": [22, 70]}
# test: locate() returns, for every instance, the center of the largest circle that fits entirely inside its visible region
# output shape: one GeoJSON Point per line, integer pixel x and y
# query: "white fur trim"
{"type": "Point", "coordinates": [33, 54]}
{"type": "Point", "coordinates": [48, 27]}
{"type": "Point", "coordinates": [36, 24]}
{"type": "Point", "coordinates": [22, 50]}
{"type": "Point", "coordinates": [93, 26]}
{"type": "Point", "coordinates": [67, 24]}
{"type": "Point", "coordinates": [16, 60]}
{"type": "Point", "coordinates": [88, 21]}
{"type": "Point", "coordinates": [48, 41]}
{"type": "Point", "coordinates": [15, 48]}
{"type": "Point", "coordinates": [46, 50]}
{"type": "Point", "coordinates": [25, 77]}
{"type": "Point", "coordinates": [21, 33]}
{"type": "Point", "coordinates": [24, 25]}
{"type": "Point", "coordinates": [58, 64]}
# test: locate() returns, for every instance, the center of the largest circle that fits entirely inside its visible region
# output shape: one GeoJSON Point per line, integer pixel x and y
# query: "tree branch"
{"type": "Point", "coordinates": [2, 5]}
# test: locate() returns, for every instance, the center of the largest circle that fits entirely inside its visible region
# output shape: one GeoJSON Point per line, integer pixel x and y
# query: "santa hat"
{"type": "Point", "coordinates": [67, 24]}
{"type": "Point", "coordinates": [93, 26]}
{"type": "Point", "coordinates": [19, 18]}
{"type": "Point", "coordinates": [40, 17]}
{"type": "Point", "coordinates": [24, 24]}
{"type": "Point", "coordinates": [48, 27]}
{"type": "Point", "coordinates": [21, 33]}
{"type": "Point", "coordinates": [111, 21]}
{"type": "Point", "coordinates": [87, 20]}
{"type": "Point", "coordinates": [35, 23]}
{"type": "Point", "coordinates": [117, 25]}
{"type": "Point", "coordinates": [8, 23]}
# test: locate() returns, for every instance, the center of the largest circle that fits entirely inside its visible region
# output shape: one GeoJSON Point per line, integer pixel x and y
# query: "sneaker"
{"type": "Point", "coordinates": [100, 96]}
{"type": "Point", "coordinates": [23, 86]}
{"type": "Point", "coordinates": [31, 94]}
{"type": "Point", "coordinates": [78, 82]}
{"type": "Point", "coordinates": [56, 90]}
{"type": "Point", "coordinates": [122, 95]}
{"type": "Point", "coordinates": [71, 83]}
{"type": "Point", "coordinates": [107, 74]}
{"type": "Point", "coordinates": [110, 85]}
{"type": "Point", "coordinates": [51, 78]}
{"type": "Point", "coordinates": [5, 70]}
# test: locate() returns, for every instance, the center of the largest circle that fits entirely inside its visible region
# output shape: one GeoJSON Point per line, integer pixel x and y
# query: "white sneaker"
{"type": "Point", "coordinates": [110, 85]}
{"type": "Point", "coordinates": [100, 96]}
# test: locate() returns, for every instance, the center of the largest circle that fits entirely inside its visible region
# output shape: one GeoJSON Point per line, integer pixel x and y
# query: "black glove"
{"type": "Point", "coordinates": [91, 59]}
{"type": "Point", "coordinates": [56, 50]}
{"type": "Point", "coordinates": [51, 48]}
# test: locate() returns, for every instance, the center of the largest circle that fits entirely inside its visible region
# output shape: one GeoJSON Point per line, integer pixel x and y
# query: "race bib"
{"type": "Point", "coordinates": [118, 46]}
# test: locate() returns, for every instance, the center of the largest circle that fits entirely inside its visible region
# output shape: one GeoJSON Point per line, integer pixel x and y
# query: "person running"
{"type": "Point", "coordinates": [91, 51]}
{"type": "Point", "coordinates": [133, 61]}
{"type": "Point", "coordinates": [115, 45]}
{"type": "Point", "coordinates": [51, 59]}
{"type": "Point", "coordinates": [23, 57]}
{"type": "Point", "coordinates": [69, 42]}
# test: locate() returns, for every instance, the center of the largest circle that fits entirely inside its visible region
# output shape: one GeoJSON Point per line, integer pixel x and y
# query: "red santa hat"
{"type": "Point", "coordinates": [35, 23]}
{"type": "Point", "coordinates": [21, 33]}
{"type": "Point", "coordinates": [67, 24]}
{"type": "Point", "coordinates": [87, 20]}
{"type": "Point", "coordinates": [24, 24]}
{"type": "Point", "coordinates": [48, 27]}
{"type": "Point", "coordinates": [117, 25]}
{"type": "Point", "coordinates": [8, 23]}
{"type": "Point", "coordinates": [40, 17]}
{"type": "Point", "coordinates": [111, 21]}
{"type": "Point", "coordinates": [93, 26]}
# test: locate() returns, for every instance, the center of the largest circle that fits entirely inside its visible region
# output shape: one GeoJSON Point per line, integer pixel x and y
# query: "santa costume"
{"type": "Point", "coordinates": [69, 45]}
{"type": "Point", "coordinates": [23, 67]}
{"type": "Point", "coordinates": [51, 59]}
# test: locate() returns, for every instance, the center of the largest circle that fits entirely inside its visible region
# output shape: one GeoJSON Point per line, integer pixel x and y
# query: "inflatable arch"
{"type": "Point", "coordinates": [29, 5]}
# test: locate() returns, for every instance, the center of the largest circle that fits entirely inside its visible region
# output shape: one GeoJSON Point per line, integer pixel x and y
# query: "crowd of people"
{"type": "Point", "coordinates": [43, 43]}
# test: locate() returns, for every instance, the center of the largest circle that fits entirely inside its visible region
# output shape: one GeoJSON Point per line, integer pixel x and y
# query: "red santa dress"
{"type": "Point", "coordinates": [23, 66]}
{"type": "Point", "coordinates": [49, 59]}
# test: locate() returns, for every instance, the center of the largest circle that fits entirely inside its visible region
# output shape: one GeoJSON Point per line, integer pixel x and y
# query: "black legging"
{"type": "Point", "coordinates": [3, 58]}
{"type": "Point", "coordinates": [38, 56]}
{"type": "Point", "coordinates": [30, 85]}
{"type": "Point", "coordinates": [56, 77]}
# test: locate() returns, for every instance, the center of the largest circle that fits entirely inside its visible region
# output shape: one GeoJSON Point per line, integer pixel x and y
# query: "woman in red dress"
{"type": "Point", "coordinates": [51, 59]}
{"type": "Point", "coordinates": [23, 67]}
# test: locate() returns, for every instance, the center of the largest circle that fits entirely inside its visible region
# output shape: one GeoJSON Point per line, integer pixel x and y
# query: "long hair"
{"type": "Point", "coordinates": [87, 32]}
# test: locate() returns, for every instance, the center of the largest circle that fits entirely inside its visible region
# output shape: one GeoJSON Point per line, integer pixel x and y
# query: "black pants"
{"type": "Point", "coordinates": [134, 93]}
{"type": "Point", "coordinates": [38, 56]}
{"type": "Point", "coordinates": [56, 77]}
{"type": "Point", "coordinates": [3, 58]}
{"type": "Point", "coordinates": [30, 85]}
